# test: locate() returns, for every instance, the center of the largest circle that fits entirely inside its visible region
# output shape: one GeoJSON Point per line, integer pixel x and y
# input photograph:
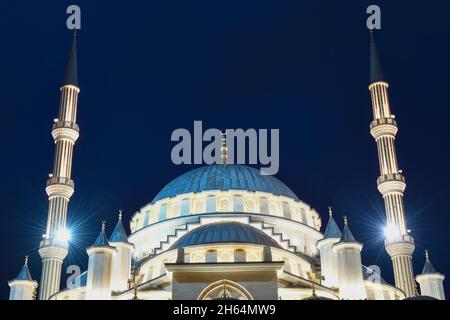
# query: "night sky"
{"type": "Point", "coordinates": [149, 67]}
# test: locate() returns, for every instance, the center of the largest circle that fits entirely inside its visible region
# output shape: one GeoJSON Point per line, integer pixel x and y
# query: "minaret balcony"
{"type": "Point", "coordinates": [383, 127]}
{"type": "Point", "coordinates": [390, 183]}
{"type": "Point", "coordinates": [52, 249]}
{"type": "Point", "coordinates": [398, 247]}
{"type": "Point", "coordinates": [65, 130]}
{"type": "Point", "coordinates": [58, 186]}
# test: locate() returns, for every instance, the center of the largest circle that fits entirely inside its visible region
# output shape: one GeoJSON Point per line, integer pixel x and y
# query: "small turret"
{"type": "Point", "coordinates": [121, 267]}
{"type": "Point", "coordinates": [23, 287]}
{"type": "Point", "coordinates": [431, 281]}
{"type": "Point", "coordinates": [349, 265]}
{"type": "Point", "coordinates": [328, 258]}
{"type": "Point", "coordinates": [101, 255]}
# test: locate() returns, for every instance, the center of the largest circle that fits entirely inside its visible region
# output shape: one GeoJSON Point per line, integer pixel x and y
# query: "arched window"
{"type": "Point", "coordinates": [304, 219]}
{"type": "Point", "coordinates": [239, 255]}
{"type": "Point", "coordinates": [211, 204]}
{"type": "Point", "coordinates": [146, 218]}
{"type": "Point", "coordinates": [162, 213]}
{"type": "Point", "coordinates": [286, 210]}
{"type": "Point", "coordinates": [238, 204]}
{"type": "Point", "coordinates": [211, 256]}
{"type": "Point", "coordinates": [184, 207]}
{"type": "Point", "coordinates": [225, 290]}
{"type": "Point", "coordinates": [263, 206]}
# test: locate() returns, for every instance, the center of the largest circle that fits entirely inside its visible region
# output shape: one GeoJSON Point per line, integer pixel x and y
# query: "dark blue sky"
{"type": "Point", "coordinates": [149, 67]}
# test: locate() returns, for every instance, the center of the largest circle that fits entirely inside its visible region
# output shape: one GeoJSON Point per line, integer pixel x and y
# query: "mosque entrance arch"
{"type": "Point", "coordinates": [225, 290]}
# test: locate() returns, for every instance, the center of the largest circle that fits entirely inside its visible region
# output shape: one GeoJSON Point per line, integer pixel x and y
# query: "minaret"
{"type": "Point", "coordinates": [328, 258]}
{"type": "Point", "coordinates": [60, 187]}
{"type": "Point", "coordinates": [431, 281]}
{"type": "Point", "coordinates": [23, 286]}
{"type": "Point", "coordinates": [349, 266]}
{"type": "Point", "coordinates": [391, 183]}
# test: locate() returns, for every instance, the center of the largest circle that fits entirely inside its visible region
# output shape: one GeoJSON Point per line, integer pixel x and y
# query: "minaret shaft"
{"type": "Point", "coordinates": [59, 189]}
{"type": "Point", "coordinates": [391, 184]}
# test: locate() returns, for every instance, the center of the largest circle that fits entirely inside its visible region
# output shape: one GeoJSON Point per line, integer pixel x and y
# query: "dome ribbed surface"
{"type": "Point", "coordinates": [224, 177]}
{"type": "Point", "coordinates": [227, 231]}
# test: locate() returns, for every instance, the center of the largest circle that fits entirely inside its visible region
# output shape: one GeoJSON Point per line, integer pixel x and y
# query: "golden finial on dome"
{"type": "Point", "coordinates": [346, 220]}
{"type": "Point", "coordinates": [427, 255]}
{"type": "Point", "coordinates": [103, 225]}
{"type": "Point", "coordinates": [120, 214]}
{"type": "Point", "coordinates": [224, 148]}
{"type": "Point", "coordinates": [330, 212]}
{"type": "Point", "coordinates": [26, 260]}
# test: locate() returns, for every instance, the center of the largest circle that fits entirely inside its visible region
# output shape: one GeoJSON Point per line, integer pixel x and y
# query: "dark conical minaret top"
{"type": "Point", "coordinates": [119, 234]}
{"type": "Point", "coordinates": [71, 75]}
{"type": "Point", "coordinates": [428, 268]}
{"type": "Point", "coordinates": [347, 235]}
{"type": "Point", "coordinates": [332, 230]}
{"type": "Point", "coordinates": [24, 274]}
{"type": "Point", "coordinates": [376, 71]}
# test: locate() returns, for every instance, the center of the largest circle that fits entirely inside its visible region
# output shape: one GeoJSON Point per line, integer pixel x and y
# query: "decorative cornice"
{"type": "Point", "coordinates": [225, 267]}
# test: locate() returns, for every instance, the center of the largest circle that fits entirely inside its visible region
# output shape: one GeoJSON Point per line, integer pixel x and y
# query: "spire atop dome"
{"type": "Point", "coordinates": [376, 71]}
{"type": "Point", "coordinates": [428, 267]}
{"type": "Point", "coordinates": [224, 148]}
{"type": "Point", "coordinates": [332, 230]}
{"type": "Point", "coordinates": [24, 273]}
{"type": "Point", "coordinates": [347, 235]}
{"type": "Point", "coordinates": [119, 234]}
{"type": "Point", "coordinates": [102, 239]}
{"type": "Point", "coordinates": [71, 75]}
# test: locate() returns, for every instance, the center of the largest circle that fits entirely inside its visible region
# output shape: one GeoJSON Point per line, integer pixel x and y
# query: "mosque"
{"type": "Point", "coordinates": [225, 231]}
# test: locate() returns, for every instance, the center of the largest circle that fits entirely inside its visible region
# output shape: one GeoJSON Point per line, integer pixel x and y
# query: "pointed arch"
{"type": "Point", "coordinates": [232, 289]}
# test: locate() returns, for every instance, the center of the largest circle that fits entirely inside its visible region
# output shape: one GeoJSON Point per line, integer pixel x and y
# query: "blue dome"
{"type": "Point", "coordinates": [225, 231]}
{"type": "Point", "coordinates": [224, 177]}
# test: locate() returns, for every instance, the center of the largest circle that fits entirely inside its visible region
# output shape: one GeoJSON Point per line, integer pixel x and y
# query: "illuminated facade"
{"type": "Point", "coordinates": [226, 232]}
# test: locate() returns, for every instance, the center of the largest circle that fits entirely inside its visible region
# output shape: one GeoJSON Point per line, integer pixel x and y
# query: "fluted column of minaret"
{"type": "Point", "coordinates": [60, 187]}
{"type": "Point", "coordinates": [391, 183]}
